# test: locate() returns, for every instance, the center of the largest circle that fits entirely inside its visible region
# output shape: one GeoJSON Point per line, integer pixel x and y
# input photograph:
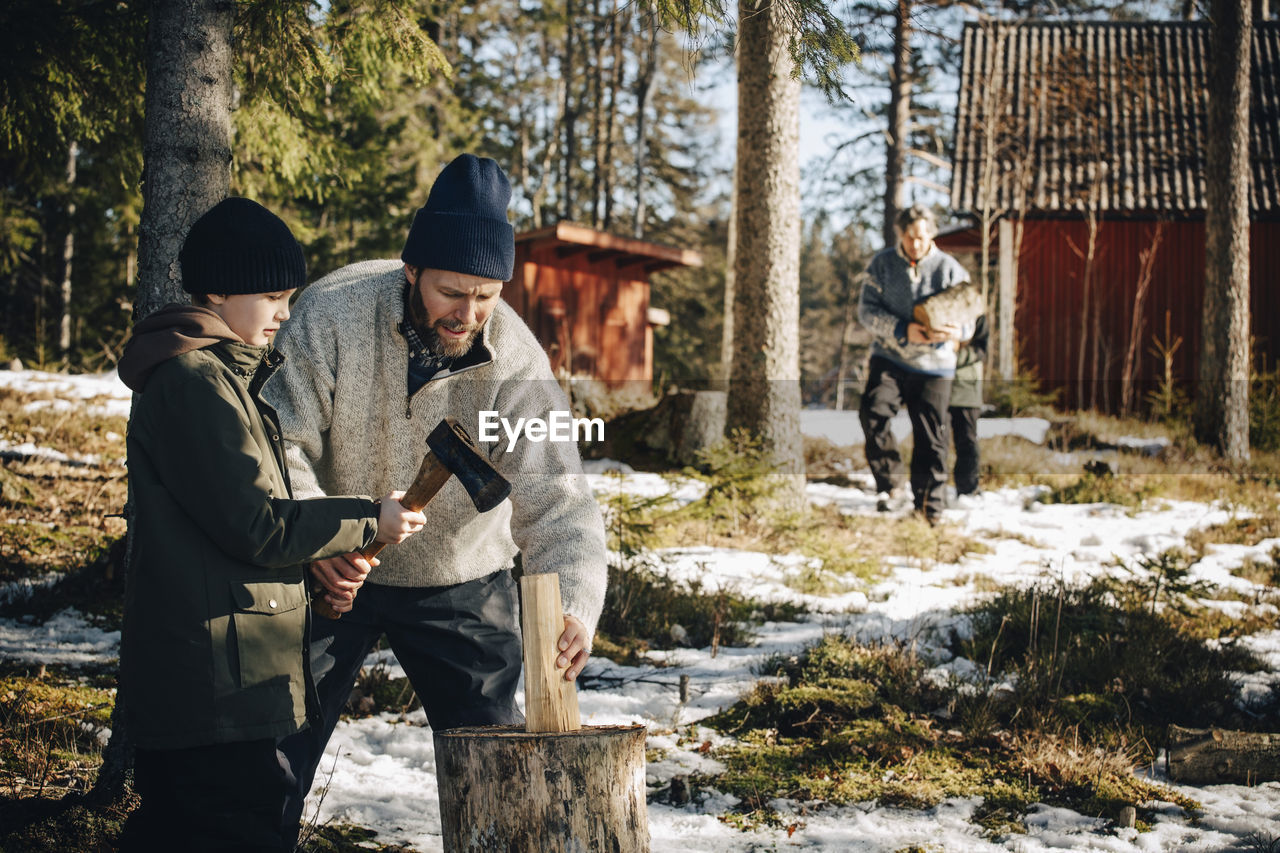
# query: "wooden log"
{"type": "Point", "coordinates": [550, 702]}
{"type": "Point", "coordinates": [956, 306]}
{"type": "Point", "coordinates": [1222, 756]}
{"type": "Point", "coordinates": [505, 790]}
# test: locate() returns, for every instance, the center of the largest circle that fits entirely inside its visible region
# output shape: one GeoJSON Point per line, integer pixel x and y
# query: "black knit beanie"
{"type": "Point", "coordinates": [463, 226]}
{"type": "Point", "coordinates": [238, 246]}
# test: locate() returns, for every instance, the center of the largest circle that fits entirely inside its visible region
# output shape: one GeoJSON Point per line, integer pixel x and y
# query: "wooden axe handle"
{"type": "Point", "coordinates": [431, 477]}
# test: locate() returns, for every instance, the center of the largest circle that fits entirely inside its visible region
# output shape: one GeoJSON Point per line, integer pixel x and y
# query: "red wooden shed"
{"type": "Point", "coordinates": [1060, 124]}
{"type": "Point", "coordinates": [585, 294]}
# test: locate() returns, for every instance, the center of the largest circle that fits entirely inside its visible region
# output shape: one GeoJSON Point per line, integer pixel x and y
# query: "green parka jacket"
{"type": "Point", "coordinates": [214, 644]}
{"type": "Point", "coordinates": [966, 388]}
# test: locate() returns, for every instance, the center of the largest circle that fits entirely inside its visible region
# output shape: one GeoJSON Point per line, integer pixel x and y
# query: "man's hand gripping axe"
{"type": "Point", "coordinates": [450, 453]}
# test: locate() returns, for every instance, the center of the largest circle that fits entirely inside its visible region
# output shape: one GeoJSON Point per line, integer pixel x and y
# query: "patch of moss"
{"type": "Point", "coordinates": [843, 722]}
{"type": "Point", "coordinates": [53, 826]}
{"type": "Point", "coordinates": [344, 838]}
{"type": "Point", "coordinates": [30, 551]}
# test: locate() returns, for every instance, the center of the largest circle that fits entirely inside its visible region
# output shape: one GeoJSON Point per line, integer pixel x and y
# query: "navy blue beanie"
{"type": "Point", "coordinates": [463, 226]}
{"type": "Point", "coordinates": [238, 246]}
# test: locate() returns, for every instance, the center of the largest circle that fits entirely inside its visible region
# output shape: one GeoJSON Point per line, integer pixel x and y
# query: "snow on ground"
{"type": "Point", "coordinates": [379, 772]}
{"type": "Point", "coordinates": [842, 428]}
{"type": "Point", "coordinates": [65, 639]}
{"type": "Point", "coordinates": [104, 393]}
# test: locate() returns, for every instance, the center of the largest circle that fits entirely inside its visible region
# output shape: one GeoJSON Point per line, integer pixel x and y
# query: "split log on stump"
{"type": "Point", "coordinates": [550, 702]}
{"type": "Point", "coordinates": [1221, 756]}
{"type": "Point", "coordinates": [505, 790]}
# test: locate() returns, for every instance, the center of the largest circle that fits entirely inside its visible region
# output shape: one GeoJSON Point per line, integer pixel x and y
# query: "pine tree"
{"type": "Point", "coordinates": [1222, 401]}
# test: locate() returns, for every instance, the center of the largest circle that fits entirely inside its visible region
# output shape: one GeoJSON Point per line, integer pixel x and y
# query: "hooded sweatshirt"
{"type": "Point", "coordinates": [214, 645]}
{"type": "Point", "coordinates": [165, 334]}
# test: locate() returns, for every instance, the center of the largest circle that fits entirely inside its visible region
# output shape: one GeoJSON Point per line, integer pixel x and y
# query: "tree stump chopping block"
{"type": "Point", "coordinates": [505, 790]}
{"type": "Point", "coordinates": [552, 786]}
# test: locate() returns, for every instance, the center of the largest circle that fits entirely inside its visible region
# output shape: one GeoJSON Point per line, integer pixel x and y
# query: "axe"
{"type": "Point", "coordinates": [450, 453]}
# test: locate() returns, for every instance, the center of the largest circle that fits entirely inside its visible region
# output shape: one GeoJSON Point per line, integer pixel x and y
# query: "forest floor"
{"type": "Point", "coordinates": [837, 679]}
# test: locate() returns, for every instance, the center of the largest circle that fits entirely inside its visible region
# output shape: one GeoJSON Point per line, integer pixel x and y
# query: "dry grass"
{"type": "Point", "coordinates": [77, 431]}
{"type": "Point", "coordinates": [49, 734]}
{"type": "Point", "coordinates": [1177, 474]}
{"type": "Point", "coordinates": [850, 546]}
{"type": "Point", "coordinates": [58, 515]}
{"type": "Point", "coordinates": [1261, 572]}
{"type": "Point", "coordinates": [1249, 530]}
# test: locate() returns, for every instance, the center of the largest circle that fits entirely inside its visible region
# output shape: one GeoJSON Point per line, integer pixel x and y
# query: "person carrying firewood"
{"type": "Point", "coordinates": [912, 364]}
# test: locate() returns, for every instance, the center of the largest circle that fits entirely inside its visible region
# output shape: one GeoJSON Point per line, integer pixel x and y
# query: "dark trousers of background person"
{"type": "Point", "coordinates": [926, 397]}
{"type": "Point", "coordinates": [459, 646]}
{"type": "Point", "coordinates": [964, 428]}
{"type": "Point", "coordinates": [223, 798]}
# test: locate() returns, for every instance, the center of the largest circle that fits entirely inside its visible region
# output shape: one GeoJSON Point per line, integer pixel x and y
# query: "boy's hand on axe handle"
{"type": "Point", "coordinates": [341, 576]}
{"type": "Point", "coordinates": [573, 647]}
{"type": "Point", "coordinates": [397, 522]}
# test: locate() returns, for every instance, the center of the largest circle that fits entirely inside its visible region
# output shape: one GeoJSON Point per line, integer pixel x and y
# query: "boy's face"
{"type": "Point", "coordinates": [255, 317]}
{"type": "Point", "coordinates": [457, 306]}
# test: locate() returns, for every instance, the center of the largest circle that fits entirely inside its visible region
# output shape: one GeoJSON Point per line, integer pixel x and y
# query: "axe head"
{"type": "Point", "coordinates": [454, 450]}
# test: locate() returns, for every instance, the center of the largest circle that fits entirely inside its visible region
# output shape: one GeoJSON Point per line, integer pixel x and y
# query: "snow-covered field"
{"type": "Point", "coordinates": [382, 768]}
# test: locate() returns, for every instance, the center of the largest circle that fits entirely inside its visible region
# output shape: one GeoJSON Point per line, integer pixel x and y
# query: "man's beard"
{"type": "Point", "coordinates": [447, 348]}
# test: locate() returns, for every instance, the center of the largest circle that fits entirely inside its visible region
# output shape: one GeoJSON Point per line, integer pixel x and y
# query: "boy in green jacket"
{"type": "Point", "coordinates": [966, 407]}
{"type": "Point", "coordinates": [214, 658]}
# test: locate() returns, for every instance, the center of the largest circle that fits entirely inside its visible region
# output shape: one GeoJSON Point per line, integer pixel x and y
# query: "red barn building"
{"type": "Point", "coordinates": [1078, 144]}
{"type": "Point", "coordinates": [585, 294]}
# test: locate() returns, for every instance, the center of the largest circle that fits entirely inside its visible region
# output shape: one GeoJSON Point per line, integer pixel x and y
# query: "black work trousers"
{"type": "Point", "coordinates": [459, 646]}
{"type": "Point", "coordinates": [926, 397]}
{"type": "Point", "coordinates": [221, 798]}
{"type": "Point", "coordinates": [964, 429]}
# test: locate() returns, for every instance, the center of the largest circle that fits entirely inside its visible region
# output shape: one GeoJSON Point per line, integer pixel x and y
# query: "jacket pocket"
{"type": "Point", "coordinates": [270, 625]}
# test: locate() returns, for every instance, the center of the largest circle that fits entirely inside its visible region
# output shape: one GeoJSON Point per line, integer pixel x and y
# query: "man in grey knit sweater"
{"type": "Point", "coordinates": [910, 364]}
{"type": "Point", "coordinates": [376, 354]}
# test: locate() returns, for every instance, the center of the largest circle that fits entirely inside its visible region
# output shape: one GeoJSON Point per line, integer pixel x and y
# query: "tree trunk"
{"type": "Point", "coordinates": [611, 121]}
{"type": "Point", "coordinates": [730, 286]}
{"type": "Point", "coordinates": [186, 170]}
{"type": "Point", "coordinates": [68, 256]}
{"type": "Point", "coordinates": [597, 114]}
{"type": "Point", "coordinates": [569, 117]}
{"type": "Point", "coordinates": [1221, 757]}
{"type": "Point", "coordinates": [186, 137]}
{"type": "Point", "coordinates": [644, 82]}
{"type": "Point", "coordinates": [502, 788]}
{"type": "Point", "coordinates": [1222, 400]}
{"type": "Point", "coordinates": [764, 382]}
{"type": "Point", "coordinates": [899, 119]}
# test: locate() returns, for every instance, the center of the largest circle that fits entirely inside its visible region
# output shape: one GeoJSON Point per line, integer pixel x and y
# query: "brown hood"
{"type": "Point", "coordinates": [169, 332]}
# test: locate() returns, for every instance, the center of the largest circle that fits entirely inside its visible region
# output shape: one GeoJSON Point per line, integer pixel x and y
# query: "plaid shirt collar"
{"type": "Point", "coordinates": [420, 355]}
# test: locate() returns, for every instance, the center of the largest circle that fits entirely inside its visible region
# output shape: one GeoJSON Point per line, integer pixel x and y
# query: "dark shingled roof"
{"type": "Point", "coordinates": [1105, 112]}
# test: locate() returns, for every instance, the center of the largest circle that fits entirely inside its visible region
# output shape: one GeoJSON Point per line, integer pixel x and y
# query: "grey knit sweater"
{"type": "Point", "coordinates": [890, 290]}
{"type": "Point", "coordinates": [351, 427]}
